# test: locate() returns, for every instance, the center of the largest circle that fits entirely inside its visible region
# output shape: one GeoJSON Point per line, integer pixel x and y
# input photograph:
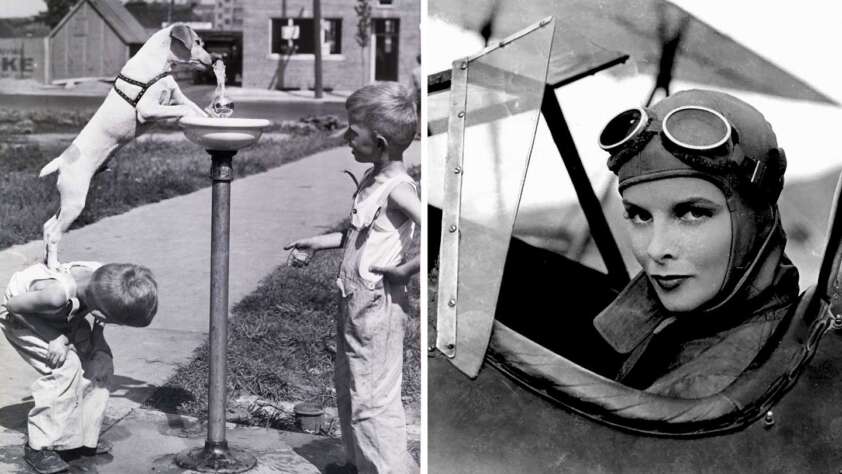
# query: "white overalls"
{"type": "Point", "coordinates": [69, 408]}
{"type": "Point", "coordinates": [369, 333]}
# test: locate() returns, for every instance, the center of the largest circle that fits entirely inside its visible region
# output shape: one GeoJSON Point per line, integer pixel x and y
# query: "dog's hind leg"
{"type": "Point", "coordinates": [73, 188]}
{"type": "Point", "coordinates": [51, 238]}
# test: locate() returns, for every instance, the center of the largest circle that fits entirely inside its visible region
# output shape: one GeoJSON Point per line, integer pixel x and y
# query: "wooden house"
{"type": "Point", "coordinates": [94, 40]}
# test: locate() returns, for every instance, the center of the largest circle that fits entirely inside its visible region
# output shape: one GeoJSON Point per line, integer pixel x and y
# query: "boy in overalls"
{"type": "Point", "coordinates": [43, 315]}
{"type": "Point", "coordinates": [372, 279]}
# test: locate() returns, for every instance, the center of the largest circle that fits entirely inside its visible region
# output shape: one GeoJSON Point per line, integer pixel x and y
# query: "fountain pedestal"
{"type": "Point", "coordinates": [221, 137]}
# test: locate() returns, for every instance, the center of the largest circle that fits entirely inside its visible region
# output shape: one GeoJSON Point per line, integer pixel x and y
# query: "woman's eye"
{"type": "Point", "coordinates": [637, 216]}
{"type": "Point", "coordinates": [694, 214]}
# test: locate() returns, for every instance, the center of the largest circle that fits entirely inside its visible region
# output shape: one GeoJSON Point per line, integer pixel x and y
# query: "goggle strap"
{"type": "Point", "coordinates": [630, 149]}
{"type": "Point", "coordinates": [704, 163]}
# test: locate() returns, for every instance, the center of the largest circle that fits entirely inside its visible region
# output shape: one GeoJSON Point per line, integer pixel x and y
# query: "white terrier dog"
{"type": "Point", "coordinates": [143, 92]}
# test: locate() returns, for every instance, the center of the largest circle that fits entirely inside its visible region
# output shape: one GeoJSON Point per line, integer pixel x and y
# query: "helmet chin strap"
{"type": "Point", "coordinates": [752, 267]}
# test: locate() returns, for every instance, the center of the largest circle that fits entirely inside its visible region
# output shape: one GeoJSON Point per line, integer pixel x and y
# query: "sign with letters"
{"type": "Point", "coordinates": [22, 58]}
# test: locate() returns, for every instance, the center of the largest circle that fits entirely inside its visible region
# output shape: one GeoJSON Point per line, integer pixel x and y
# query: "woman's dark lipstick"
{"type": "Point", "coordinates": [669, 282]}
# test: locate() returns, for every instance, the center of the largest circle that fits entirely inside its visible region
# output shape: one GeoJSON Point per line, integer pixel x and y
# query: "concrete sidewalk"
{"type": "Point", "coordinates": [172, 238]}
{"type": "Point", "coordinates": [147, 441]}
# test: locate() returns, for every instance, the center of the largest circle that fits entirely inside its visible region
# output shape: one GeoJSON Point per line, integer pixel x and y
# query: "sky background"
{"type": "Point", "coordinates": [18, 8]}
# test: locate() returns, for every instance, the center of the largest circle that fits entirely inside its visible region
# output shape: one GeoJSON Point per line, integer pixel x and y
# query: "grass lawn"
{"type": "Point", "coordinates": [281, 348]}
{"type": "Point", "coordinates": [141, 173]}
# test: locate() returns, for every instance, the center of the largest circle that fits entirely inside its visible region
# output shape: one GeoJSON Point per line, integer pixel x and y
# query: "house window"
{"type": "Point", "coordinates": [295, 36]}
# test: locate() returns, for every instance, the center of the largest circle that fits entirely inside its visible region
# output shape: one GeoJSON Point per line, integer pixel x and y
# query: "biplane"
{"type": "Point", "coordinates": [512, 385]}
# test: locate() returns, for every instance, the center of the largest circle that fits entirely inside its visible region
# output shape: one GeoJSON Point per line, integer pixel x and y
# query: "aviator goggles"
{"type": "Point", "coordinates": [699, 136]}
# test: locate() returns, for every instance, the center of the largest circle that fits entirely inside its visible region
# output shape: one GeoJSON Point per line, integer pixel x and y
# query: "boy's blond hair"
{"type": "Point", "coordinates": [387, 108]}
{"type": "Point", "coordinates": [125, 292]}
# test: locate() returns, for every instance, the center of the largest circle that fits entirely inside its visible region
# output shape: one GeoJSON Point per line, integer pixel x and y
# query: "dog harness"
{"type": "Point", "coordinates": [143, 87]}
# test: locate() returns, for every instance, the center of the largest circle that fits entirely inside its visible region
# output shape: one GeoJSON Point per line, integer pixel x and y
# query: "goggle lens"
{"type": "Point", "coordinates": [622, 128]}
{"type": "Point", "coordinates": [696, 128]}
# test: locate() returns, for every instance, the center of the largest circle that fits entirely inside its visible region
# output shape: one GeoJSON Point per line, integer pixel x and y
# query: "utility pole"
{"type": "Point", "coordinates": [169, 13]}
{"type": "Point", "coordinates": [317, 29]}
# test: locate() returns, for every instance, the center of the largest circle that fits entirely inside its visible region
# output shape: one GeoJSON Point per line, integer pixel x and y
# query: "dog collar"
{"type": "Point", "coordinates": [143, 86]}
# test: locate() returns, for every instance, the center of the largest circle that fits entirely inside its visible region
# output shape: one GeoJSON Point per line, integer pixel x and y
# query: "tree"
{"type": "Point", "coordinates": [363, 36]}
{"type": "Point", "coordinates": [56, 9]}
{"type": "Point", "coordinates": [317, 48]}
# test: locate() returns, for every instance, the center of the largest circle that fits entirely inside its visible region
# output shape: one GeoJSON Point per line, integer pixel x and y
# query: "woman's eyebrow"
{"type": "Point", "coordinates": [690, 201]}
{"type": "Point", "coordinates": [629, 203]}
{"type": "Point", "coordinates": [697, 201]}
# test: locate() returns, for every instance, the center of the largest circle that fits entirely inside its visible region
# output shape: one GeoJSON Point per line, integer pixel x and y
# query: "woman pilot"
{"type": "Point", "coordinates": [700, 174]}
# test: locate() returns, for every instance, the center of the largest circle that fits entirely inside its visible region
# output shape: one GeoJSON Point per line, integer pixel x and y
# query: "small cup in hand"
{"type": "Point", "coordinates": [300, 257]}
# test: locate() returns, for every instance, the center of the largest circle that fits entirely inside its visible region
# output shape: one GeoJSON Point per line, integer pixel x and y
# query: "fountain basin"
{"type": "Point", "coordinates": [224, 134]}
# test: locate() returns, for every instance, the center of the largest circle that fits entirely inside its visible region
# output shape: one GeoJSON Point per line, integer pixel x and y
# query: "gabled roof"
{"type": "Point", "coordinates": [115, 14]}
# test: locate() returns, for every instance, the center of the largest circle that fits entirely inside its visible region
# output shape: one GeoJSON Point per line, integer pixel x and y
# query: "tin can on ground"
{"type": "Point", "coordinates": [309, 417]}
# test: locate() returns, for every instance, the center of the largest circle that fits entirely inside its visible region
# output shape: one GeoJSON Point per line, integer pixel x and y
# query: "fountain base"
{"type": "Point", "coordinates": [216, 457]}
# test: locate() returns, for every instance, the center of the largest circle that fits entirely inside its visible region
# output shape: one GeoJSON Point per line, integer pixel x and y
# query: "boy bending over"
{"type": "Point", "coordinates": [44, 316]}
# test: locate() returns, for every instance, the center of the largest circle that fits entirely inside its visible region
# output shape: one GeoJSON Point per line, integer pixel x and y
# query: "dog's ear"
{"type": "Point", "coordinates": [181, 41]}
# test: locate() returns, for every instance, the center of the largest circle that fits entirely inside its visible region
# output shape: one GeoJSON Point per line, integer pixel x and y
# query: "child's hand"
{"type": "Point", "coordinates": [311, 245]}
{"type": "Point", "coordinates": [57, 351]}
{"type": "Point", "coordinates": [396, 275]}
{"type": "Point", "coordinates": [304, 244]}
{"type": "Point", "coordinates": [302, 252]}
{"type": "Point", "coordinates": [101, 367]}
{"type": "Point", "coordinates": [300, 257]}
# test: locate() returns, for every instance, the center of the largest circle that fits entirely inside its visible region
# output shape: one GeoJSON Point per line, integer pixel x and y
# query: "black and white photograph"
{"type": "Point", "coordinates": [420, 236]}
{"type": "Point", "coordinates": [210, 236]}
{"type": "Point", "coordinates": [633, 231]}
